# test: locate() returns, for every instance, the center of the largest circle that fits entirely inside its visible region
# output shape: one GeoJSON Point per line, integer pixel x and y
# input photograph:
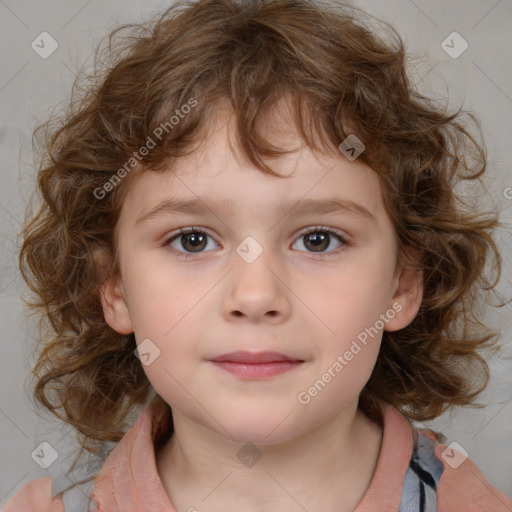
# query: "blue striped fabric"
{"type": "Point", "coordinates": [422, 478]}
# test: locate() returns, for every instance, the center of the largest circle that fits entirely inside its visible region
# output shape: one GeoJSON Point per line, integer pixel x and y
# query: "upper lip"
{"type": "Point", "coordinates": [253, 357]}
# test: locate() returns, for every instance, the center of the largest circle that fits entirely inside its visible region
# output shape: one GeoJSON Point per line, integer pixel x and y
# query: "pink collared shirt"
{"type": "Point", "coordinates": [129, 481]}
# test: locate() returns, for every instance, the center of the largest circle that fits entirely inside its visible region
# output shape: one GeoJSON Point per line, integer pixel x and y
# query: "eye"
{"type": "Point", "coordinates": [319, 238]}
{"type": "Point", "coordinates": [194, 240]}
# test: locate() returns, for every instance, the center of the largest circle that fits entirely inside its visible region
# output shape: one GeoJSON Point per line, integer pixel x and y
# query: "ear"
{"type": "Point", "coordinates": [113, 301]}
{"type": "Point", "coordinates": [407, 292]}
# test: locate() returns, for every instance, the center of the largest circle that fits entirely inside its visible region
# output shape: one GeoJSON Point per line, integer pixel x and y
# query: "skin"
{"type": "Point", "coordinates": [321, 455]}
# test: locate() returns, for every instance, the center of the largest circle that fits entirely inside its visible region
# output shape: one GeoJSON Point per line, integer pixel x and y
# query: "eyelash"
{"type": "Point", "coordinates": [315, 229]}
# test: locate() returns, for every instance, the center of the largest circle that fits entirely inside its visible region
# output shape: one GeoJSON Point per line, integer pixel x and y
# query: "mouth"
{"type": "Point", "coordinates": [256, 365]}
{"type": "Point", "coordinates": [254, 358]}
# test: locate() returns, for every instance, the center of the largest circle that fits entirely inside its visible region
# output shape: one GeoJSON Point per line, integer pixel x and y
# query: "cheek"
{"type": "Point", "coordinates": [350, 303]}
{"type": "Point", "coordinates": [160, 297]}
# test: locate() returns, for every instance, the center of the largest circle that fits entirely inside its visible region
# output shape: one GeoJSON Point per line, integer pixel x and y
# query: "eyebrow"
{"type": "Point", "coordinates": [325, 206]}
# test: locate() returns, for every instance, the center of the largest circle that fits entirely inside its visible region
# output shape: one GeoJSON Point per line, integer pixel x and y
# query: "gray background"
{"type": "Point", "coordinates": [30, 86]}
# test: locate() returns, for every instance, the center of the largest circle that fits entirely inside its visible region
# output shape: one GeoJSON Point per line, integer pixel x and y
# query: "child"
{"type": "Point", "coordinates": [248, 130]}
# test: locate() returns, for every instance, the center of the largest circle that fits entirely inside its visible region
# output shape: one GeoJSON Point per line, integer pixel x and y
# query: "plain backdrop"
{"type": "Point", "coordinates": [479, 79]}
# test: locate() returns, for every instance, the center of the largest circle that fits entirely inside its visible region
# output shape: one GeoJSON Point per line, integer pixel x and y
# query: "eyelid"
{"type": "Point", "coordinates": [335, 231]}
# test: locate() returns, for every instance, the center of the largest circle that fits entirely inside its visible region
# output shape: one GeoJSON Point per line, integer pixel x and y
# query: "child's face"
{"type": "Point", "coordinates": [311, 306]}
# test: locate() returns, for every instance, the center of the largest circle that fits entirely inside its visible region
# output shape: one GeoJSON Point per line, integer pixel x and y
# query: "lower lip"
{"type": "Point", "coordinates": [256, 371]}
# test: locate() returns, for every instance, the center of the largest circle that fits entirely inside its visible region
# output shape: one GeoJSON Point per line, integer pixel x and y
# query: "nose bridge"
{"type": "Point", "coordinates": [256, 287]}
{"type": "Point", "coordinates": [253, 260]}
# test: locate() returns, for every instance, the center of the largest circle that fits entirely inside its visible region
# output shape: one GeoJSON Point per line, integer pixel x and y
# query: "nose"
{"type": "Point", "coordinates": [257, 291]}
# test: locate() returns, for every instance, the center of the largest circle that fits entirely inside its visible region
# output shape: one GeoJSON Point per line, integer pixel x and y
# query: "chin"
{"type": "Point", "coordinates": [248, 425]}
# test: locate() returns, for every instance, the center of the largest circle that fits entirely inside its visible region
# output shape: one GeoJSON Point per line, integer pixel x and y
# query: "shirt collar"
{"type": "Point", "coordinates": [129, 479]}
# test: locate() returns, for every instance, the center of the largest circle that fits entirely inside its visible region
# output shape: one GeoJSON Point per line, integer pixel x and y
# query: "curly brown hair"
{"type": "Point", "coordinates": [337, 72]}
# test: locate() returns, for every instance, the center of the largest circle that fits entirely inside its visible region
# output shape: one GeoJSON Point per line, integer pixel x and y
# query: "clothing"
{"type": "Point", "coordinates": [410, 476]}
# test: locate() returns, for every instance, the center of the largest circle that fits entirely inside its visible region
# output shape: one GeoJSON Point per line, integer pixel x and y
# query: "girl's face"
{"type": "Point", "coordinates": [302, 266]}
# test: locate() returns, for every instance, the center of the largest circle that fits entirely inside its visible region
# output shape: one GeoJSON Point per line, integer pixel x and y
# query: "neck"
{"type": "Point", "coordinates": [328, 468]}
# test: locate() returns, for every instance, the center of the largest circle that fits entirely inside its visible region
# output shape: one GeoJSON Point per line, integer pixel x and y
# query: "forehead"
{"type": "Point", "coordinates": [217, 173]}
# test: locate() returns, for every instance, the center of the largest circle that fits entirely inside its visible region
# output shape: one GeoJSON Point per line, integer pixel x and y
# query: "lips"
{"type": "Point", "coordinates": [243, 357]}
{"type": "Point", "coordinates": [256, 366]}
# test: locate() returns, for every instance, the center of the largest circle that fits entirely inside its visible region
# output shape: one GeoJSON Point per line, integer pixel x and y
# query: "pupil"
{"type": "Point", "coordinates": [193, 240]}
{"type": "Point", "coordinates": [318, 239]}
